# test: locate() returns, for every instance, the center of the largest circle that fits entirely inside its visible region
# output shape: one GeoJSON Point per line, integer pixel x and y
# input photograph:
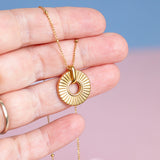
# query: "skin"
{"type": "Point", "coordinates": [28, 53]}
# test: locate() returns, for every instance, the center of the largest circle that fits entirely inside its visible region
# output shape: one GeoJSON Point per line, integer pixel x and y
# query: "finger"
{"type": "Point", "coordinates": [42, 99]}
{"type": "Point", "coordinates": [30, 26]}
{"type": "Point", "coordinates": [43, 141]}
{"type": "Point", "coordinates": [44, 61]}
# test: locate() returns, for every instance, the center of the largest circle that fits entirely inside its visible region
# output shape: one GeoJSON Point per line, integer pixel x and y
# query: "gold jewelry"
{"type": "Point", "coordinates": [83, 88]}
{"type": "Point", "coordinates": [5, 114]}
{"type": "Point", "coordinates": [71, 76]}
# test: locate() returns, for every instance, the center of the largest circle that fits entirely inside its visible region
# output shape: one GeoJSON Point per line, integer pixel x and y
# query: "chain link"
{"type": "Point", "coordinates": [67, 66]}
{"type": "Point", "coordinates": [57, 40]}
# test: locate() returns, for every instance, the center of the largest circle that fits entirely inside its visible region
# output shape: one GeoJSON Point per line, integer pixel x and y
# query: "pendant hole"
{"type": "Point", "coordinates": [74, 88]}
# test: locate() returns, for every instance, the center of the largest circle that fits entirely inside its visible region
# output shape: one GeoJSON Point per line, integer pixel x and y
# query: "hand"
{"type": "Point", "coordinates": [28, 54]}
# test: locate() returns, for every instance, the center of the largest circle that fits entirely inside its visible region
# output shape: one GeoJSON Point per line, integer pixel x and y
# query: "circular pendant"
{"type": "Point", "coordinates": [64, 92]}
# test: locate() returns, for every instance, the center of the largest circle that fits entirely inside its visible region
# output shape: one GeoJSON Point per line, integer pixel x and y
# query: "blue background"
{"type": "Point", "coordinates": [137, 20]}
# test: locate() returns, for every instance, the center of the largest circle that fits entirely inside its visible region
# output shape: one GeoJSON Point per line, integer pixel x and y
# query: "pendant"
{"type": "Point", "coordinates": [68, 78]}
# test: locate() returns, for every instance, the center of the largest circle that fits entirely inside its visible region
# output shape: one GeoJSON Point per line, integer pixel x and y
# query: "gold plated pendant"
{"type": "Point", "coordinates": [84, 87]}
{"type": "Point", "coordinates": [70, 77]}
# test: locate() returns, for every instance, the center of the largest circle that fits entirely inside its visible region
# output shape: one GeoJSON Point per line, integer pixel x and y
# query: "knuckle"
{"type": "Point", "coordinates": [22, 26]}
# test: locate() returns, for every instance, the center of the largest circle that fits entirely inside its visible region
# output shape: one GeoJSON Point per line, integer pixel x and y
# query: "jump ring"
{"type": "Point", "coordinates": [5, 113]}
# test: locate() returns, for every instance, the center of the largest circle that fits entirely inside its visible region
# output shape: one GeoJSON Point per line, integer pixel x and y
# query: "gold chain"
{"type": "Point", "coordinates": [67, 66]}
{"type": "Point", "coordinates": [78, 142]}
{"type": "Point", "coordinates": [52, 155]}
{"type": "Point", "coordinates": [57, 40]}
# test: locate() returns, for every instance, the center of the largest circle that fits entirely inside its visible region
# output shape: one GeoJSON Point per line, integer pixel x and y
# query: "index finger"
{"type": "Point", "coordinates": [24, 27]}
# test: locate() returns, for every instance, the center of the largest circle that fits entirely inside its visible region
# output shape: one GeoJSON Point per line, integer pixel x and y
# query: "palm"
{"type": "Point", "coordinates": [28, 54]}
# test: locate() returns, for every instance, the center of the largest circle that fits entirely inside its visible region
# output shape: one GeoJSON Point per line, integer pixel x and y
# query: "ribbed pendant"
{"type": "Point", "coordinates": [84, 88]}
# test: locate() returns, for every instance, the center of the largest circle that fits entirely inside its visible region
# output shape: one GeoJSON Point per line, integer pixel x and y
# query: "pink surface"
{"type": "Point", "coordinates": [124, 123]}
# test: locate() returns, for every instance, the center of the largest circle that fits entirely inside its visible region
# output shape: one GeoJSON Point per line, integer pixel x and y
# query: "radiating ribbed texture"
{"type": "Point", "coordinates": [84, 88]}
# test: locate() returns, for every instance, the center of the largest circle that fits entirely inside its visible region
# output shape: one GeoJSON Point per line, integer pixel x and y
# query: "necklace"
{"type": "Point", "coordinates": [71, 76]}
